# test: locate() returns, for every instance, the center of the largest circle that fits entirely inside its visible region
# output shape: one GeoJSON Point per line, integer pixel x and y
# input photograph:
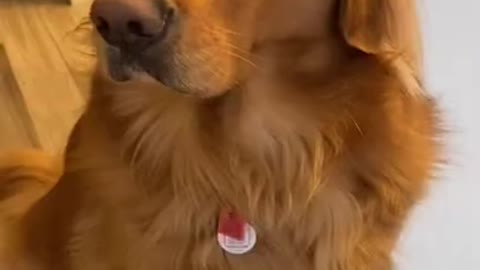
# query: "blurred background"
{"type": "Point", "coordinates": [444, 233]}
{"type": "Point", "coordinates": [46, 57]}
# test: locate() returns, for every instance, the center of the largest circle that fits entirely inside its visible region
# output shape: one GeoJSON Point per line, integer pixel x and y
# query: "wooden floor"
{"type": "Point", "coordinates": [45, 61]}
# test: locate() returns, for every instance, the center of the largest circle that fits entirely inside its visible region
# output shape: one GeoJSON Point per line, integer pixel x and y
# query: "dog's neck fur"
{"type": "Point", "coordinates": [168, 164]}
{"type": "Point", "coordinates": [250, 149]}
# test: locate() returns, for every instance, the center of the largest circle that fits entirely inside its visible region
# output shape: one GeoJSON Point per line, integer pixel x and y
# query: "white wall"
{"type": "Point", "coordinates": [444, 233]}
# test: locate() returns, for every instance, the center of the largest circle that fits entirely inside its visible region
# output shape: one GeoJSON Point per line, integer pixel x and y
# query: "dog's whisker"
{"type": "Point", "coordinates": [238, 49]}
{"type": "Point", "coordinates": [244, 59]}
{"type": "Point", "coordinates": [222, 31]}
{"type": "Point", "coordinates": [206, 56]}
{"type": "Point", "coordinates": [216, 28]}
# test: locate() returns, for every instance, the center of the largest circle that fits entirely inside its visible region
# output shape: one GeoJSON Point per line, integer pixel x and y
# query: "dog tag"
{"type": "Point", "coordinates": [234, 235]}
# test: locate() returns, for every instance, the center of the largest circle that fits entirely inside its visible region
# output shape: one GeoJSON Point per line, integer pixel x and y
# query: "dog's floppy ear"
{"type": "Point", "coordinates": [384, 28]}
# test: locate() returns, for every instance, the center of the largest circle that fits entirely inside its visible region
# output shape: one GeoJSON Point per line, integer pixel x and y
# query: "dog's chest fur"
{"type": "Point", "coordinates": [171, 233]}
{"type": "Point", "coordinates": [161, 211]}
{"type": "Point", "coordinates": [308, 171]}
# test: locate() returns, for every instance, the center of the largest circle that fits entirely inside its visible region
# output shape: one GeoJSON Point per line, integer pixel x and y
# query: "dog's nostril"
{"type": "Point", "coordinates": [102, 25]}
{"type": "Point", "coordinates": [169, 14]}
{"type": "Point", "coordinates": [137, 28]}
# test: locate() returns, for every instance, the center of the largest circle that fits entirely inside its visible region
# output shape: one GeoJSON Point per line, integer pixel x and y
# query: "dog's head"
{"type": "Point", "coordinates": [207, 47]}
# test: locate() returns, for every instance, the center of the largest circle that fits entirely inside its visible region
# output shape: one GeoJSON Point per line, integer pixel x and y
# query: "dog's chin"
{"type": "Point", "coordinates": [129, 73]}
{"type": "Point", "coordinates": [123, 68]}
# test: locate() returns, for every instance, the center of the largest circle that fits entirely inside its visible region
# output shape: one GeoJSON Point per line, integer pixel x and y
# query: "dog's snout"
{"type": "Point", "coordinates": [129, 24]}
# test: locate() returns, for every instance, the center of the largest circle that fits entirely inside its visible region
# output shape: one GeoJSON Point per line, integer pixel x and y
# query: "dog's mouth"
{"type": "Point", "coordinates": [122, 66]}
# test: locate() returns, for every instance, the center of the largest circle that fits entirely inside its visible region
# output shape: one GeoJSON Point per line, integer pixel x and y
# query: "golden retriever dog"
{"type": "Point", "coordinates": [233, 134]}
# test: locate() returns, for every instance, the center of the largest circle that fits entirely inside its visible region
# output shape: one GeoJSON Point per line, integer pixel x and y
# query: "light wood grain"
{"type": "Point", "coordinates": [16, 126]}
{"type": "Point", "coordinates": [48, 46]}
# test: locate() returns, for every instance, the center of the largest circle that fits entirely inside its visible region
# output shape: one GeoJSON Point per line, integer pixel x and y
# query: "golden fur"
{"type": "Point", "coordinates": [325, 144]}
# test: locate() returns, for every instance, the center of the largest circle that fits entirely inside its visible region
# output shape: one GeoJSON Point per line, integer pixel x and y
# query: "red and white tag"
{"type": "Point", "coordinates": [235, 235]}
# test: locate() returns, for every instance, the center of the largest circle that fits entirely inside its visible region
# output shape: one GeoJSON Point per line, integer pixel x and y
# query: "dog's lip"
{"type": "Point", "coordinates": [120, 65]}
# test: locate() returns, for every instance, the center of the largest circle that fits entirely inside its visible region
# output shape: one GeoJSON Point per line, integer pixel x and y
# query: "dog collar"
{"type": "Point", "coordinates": [234, 234]}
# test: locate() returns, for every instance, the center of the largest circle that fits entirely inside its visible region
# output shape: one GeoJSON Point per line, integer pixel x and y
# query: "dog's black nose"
{"type": "Point", "coordinates": [128, 24]}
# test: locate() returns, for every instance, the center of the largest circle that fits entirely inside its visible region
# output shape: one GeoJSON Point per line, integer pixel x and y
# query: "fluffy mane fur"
{"type": "Point", "coordinates": [325, 161]}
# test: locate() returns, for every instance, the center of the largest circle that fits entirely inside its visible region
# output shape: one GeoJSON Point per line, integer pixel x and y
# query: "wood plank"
{"type": "Point", "coordinates": [51, 94]}
{"type": "Point", "coordinates": [16, 126]}
{"type": "Point", "coordinates": [70, 28]}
